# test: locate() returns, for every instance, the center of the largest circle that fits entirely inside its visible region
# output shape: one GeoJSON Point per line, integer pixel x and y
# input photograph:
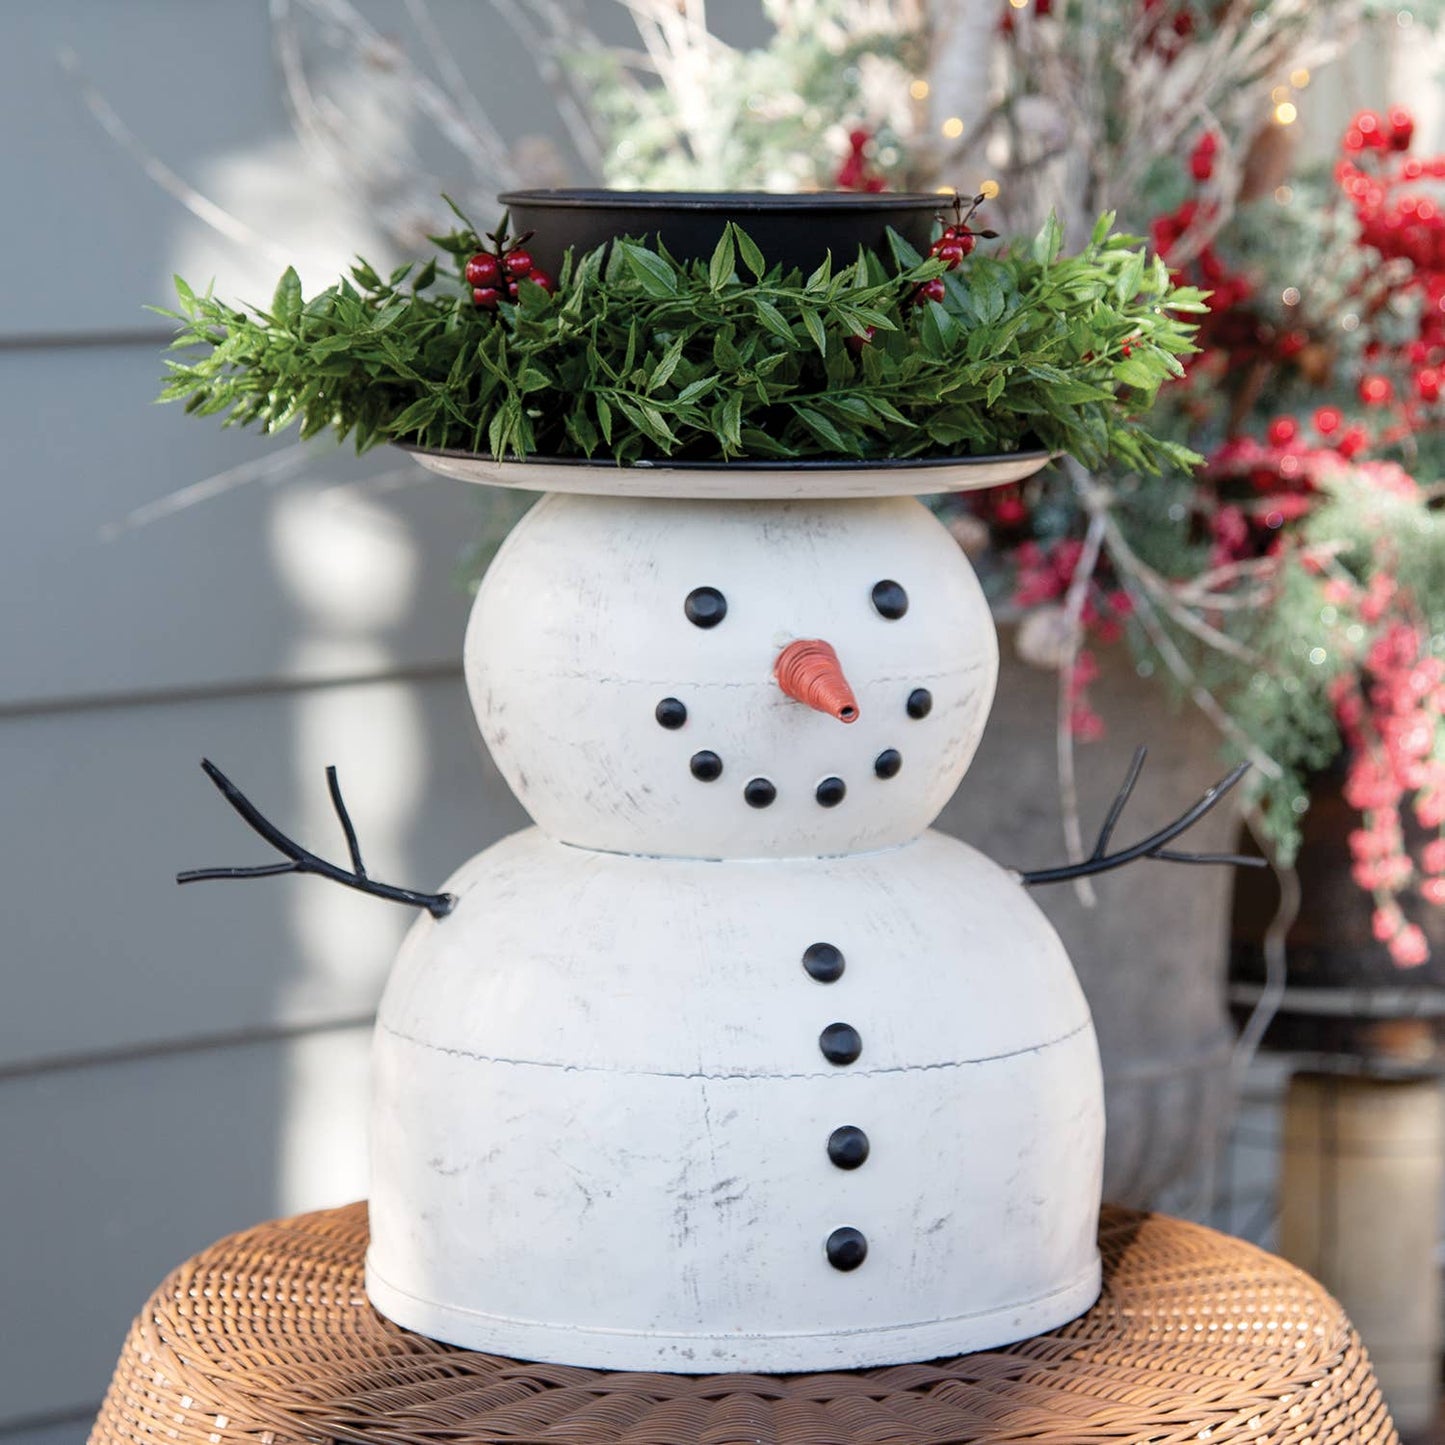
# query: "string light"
{"type": "Point", "coordinates": [1286, 113]}
{"type": "Point", "coordinates": [1290, 296]}
{"type": "Point", "coordinates": [919, 90]}
{"type": "Point", "coordinates": [952, 127]}
{"type": "Point", "coordinates": [989, 190]}
{"type": "Point", "coordinates": [1299, 78]}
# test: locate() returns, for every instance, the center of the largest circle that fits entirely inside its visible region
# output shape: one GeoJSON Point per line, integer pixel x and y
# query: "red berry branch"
{"type": "Point", "coordinates": [953, 246]}
{"type": "Point", "coordinates": [496, 275]}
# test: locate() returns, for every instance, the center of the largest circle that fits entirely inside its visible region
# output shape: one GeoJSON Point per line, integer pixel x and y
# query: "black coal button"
{"type": "Point", "coordinates": [840, 1043]}
{"type": "Point", "coordinates": [847, 1248]}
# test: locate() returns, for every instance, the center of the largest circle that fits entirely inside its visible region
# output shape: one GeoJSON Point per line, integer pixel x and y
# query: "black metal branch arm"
{"type": "Point", "coordinates": [301, 860]}
{"type": "Point", "coordinates": [1156, 844]}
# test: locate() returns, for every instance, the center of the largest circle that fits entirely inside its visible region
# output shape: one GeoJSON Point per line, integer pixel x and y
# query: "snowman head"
{"type": "Point", "coordinates": [731, 679]}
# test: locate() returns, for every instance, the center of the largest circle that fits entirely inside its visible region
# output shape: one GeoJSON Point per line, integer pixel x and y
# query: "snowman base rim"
{"type": "Point", "coordinates": [747, 480]}
{"type": "Point", "coordinates": [736, 1353]}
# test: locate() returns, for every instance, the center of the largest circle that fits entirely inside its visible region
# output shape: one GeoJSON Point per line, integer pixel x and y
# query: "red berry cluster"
{"type": "Point", "coordinates": [1403, 224]}
{"type": "Point", "coordinates": [1390, 713]}
{"type": "Point", "coordinates": [954, 244]}
{"type": "Point", "coordinates": [496, 275]}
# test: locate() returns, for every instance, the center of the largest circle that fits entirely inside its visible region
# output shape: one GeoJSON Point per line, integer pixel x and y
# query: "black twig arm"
{"type": "Point", "coordinates": [1156, 844]}
{"type": "Point", "coordinates": [303, 861]}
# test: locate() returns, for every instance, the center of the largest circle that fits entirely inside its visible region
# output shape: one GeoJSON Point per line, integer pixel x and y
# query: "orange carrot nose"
{"type": "Point", "coordinates": [809, 671]}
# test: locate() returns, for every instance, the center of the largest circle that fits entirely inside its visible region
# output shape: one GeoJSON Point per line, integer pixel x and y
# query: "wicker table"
{"type": "Point", "coordinates": [267, 1338]}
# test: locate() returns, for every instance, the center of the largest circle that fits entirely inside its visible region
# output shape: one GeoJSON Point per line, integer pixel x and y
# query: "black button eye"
{"type": "Point", "coordinates": [705, 607]}
{"type": "Point", "coordinates": [830, 792]}
{"type": "Point", "coordinates": [759, 792]}
{"type": "Point", "coordinates": [920, 702]}
{"type": "Point", "coordinates": [706, 767]}
{"type": "Point", "coordinates": [887, 763]}
{"type": "Point", "coordinates": [671, 713]}
{"type": "Point", "coordinates": [890, 599]}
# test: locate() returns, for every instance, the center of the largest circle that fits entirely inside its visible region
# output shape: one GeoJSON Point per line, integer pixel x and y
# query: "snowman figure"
{"type": "Point", "coordinates": [730, 1063]}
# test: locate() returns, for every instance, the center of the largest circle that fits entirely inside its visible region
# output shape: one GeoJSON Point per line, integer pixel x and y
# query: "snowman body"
{"type": "Point", "coordinates": [730, 1063]}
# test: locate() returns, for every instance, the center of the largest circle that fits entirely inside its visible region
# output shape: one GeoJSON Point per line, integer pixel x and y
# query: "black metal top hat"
{"type": "Point", "coordinates": [795, 230]}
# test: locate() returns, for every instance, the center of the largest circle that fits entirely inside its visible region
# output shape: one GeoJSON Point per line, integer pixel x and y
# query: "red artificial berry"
{"type": "Point", "coordinates": [487, 297]}
{"type": "Point", "coordinates": [1327, 420]}
{"type": "Point", "coordinates": [539, 277]}
{"type": "Point", "coordinates": [519, 263]}
{"type": "Point", "coordinates": [1282, 431]}
{"type": "Point", "coordinates": [1428, 383]}
{"type": "Point", "coordinates": [1010, 512]}
{"type": "Point", "coordinates": [511, 290]}
{"type": "Point", "coordinates": [1352, 441]}
{"type": "Point", "coordinates": [1368, 125]}
{"type": "Point", "coordinates": [1126, 348]}
{"type": "Point", "coordinates": [1402, 127]}
{"type": "Point", "coordinates": [1376, 390]}
{"type": "Point", "coordinates": [1292, 343]}
{"type": "Point", "coordinates": [933, 290]}
{"type": "Point", "coordinates": [951, 253]}
{"type": "Point", "coordinates": [967, 240]}
{"type": "Point", "coordinates": [483, 270]}
{"type": "Point", "coordinates": [856, 343]}
{"type": "Point", "coordinates": [1201, 158]}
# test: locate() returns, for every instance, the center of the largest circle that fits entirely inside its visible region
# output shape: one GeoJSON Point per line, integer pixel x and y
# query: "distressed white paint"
{"type": "Point", "coordinates": [579, 631]}
{"type": "Point", "coordinates": [602, 1110]}
{"type": "Point", "coordinates": [733, 482]}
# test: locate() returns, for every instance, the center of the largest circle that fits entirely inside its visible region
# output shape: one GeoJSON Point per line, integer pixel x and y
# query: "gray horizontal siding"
{"type": "Point", "coordinates": [175, 1064]}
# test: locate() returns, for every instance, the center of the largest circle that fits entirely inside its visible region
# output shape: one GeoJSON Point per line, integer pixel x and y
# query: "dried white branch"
{"type": "Point", "coordinates": [1074, 601]}
{"type": "Point", "coordinates": [270, 469]}
{"type": "Point", "coordinates": [1167, 597]}
{"type": "Point", "coordinates": [200, 206]}
{"type": "Point", "coordinates": [484, 149]}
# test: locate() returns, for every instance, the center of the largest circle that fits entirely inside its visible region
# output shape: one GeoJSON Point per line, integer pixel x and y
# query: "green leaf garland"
{"type": "Point", "coordinates": [637, 355]}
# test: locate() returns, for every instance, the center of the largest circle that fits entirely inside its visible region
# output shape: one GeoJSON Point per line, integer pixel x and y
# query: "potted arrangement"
{"type": "Point", "coordinates": [733, 670]}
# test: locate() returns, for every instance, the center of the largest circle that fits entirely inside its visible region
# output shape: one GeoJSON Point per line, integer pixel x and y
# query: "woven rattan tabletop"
{"type": "Point", "coordinates": [267, 1338]}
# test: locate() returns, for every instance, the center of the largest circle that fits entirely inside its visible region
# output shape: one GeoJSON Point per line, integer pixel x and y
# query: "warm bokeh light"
{"type": "Point", "coordinates": [1280, 94]}
{"type": "Point", "coordinates": [1299, 78]}
{"type": "Point", "coordinates": [1284, 194]}
{"type": "Point", "coordinates": [952, 127]}
{"type": "Point", "coordinates": [919, 90]}
{"type": "Point", "coordinates": [1286, 113]}
{"type": "Point", "coordinates": [988, 190]}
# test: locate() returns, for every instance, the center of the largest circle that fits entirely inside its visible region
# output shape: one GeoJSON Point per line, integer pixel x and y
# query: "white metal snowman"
{"type": "Point", "coordinates": [729, 1063]}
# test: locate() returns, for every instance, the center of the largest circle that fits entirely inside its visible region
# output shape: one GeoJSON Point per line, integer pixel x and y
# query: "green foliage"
{"type": "Point", "coordinates": [637, 355]}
